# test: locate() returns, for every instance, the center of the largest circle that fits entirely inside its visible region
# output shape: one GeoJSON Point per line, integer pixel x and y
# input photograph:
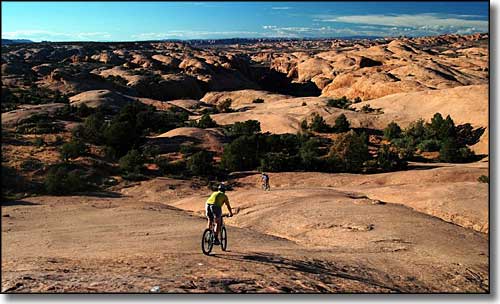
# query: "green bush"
{"type": "Point", "coordinates": [341, 124]}
{"type": "Point", "coordinates": [188, 150]}
{"type": "Point", "coordinates": [132, 162]}
{"type": "Point", "coordinates": [64, 179]}
{"type": "Point", "coordinates": [303, 125]}
{"type": "Point", "coordinates": [201, 163]}
{"type": "Point", "coordinates": [389, 160]}
{"type": "Point", "coordinates": [309, 154]}
{"type": "Point", "coordinates": [248, 127]}
{"type": "Point", "coordinates": [39, 142]}
{"type": "Point", "coordinates": [483, 179]}
{"type": "Point", "coordinates": [429, 145]}
{"type": "Point", "coordinates": [31, 164]}
{"type": "Point", "coordinates": [450, 152]}
{"type": "Point", "coordinates": [73, 149]}
{"type": "Point", "coordinates": [241, 154]}
{"type": "Point", "coordinates": [367, 109]}
{"type": "Point", "coordinates": [177, 168]}
{"type": "Point", "coordinates": [278, 162]}
{"type": "Point", "coordinates": [351, 150]}
{"type": "Point", "coordinates": [121, 136]}
{"type": "Point", "coordinates": [318, 124]}
{"type": "Point", "coordinates": [225, 105]}
{"type": "Point", "coordinates": [206, 122]}
{"type": "Point", "coordinates": [39, 124]}
{"type": "Point", "coordinates": [341, 103]}
{"type": "Point", "coordinates": [392, 131]}
{"type": "Point", "coordinates": [405, 147]}
{"type": "Point", "coordinates": [12, 183]}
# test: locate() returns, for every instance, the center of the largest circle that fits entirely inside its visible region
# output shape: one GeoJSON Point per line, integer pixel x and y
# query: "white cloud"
{"type": "Point", "coordinates": [280, 7]}
{"type": "Point", "coordinates": [423, 21]}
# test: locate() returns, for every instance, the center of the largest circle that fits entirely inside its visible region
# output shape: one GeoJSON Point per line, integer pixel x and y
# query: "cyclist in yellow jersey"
{"type": "Point", "coordinates": [213, 209]}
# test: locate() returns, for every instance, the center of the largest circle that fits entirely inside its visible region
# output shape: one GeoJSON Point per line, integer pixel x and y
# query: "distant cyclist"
{"type": "Point", "coordinates": [213, 208]}
{"type": "Point", "coordinates": [265, 182]}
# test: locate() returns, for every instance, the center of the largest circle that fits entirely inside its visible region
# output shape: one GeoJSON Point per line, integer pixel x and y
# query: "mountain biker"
{"type": "Point", "coordinates": [213, 208]}
{"type": "Point", "coordinates": [265, 181]}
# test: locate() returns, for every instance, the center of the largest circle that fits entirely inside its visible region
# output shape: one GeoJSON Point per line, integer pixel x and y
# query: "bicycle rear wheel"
{"type": "Point", "coordinates": [207, 241]}
{"type": "Point", "coordinates": [223, 239]}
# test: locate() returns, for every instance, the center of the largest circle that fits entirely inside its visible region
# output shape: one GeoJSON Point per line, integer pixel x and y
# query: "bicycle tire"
{"type": "Point", "coordinates": [207, 242]}
{"type": "Point", "coordinates": [223, 239]}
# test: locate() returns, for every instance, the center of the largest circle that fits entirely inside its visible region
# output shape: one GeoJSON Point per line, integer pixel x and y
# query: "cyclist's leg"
{"type": "Point", "coordinates": [210, 216]}
{"type": "Point", "coordinates": [218, 219]}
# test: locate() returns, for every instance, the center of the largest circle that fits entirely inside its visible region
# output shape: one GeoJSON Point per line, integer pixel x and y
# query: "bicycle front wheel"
{"type": "Point", "coordinates": [223, 239]}
{"type": "Point", "coordinates": [207, 241]}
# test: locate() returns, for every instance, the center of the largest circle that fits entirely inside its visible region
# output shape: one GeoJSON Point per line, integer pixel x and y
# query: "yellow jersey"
{"type": "Point", "coordinates": [217, 198]}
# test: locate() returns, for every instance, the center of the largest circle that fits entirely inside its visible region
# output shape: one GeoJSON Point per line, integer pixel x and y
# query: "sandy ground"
{"type": "Point", "coordinates": [295, 238]}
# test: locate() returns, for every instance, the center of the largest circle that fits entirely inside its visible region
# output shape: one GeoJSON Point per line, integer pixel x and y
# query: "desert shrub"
{"type": "Point", "coordinates": [392, 131]}
{"type": "Point", "coordinates": [84, 111]}
{"type": "Point", "coordinates": [225, 105]}
{"type": "Point", "coordinates": [177, 168]}
{"type": "Point", "coordinates": [303, 125]}
{"type": "Point", "coordinates": [248, 127]}
{"type": "Point", "coordinates": [188, 150]}
{"type": "Point", "coordinates": [318, 124]}
{"type": "Point", "coordinates": [64, 179]}
{"type": "Point", "coordinates": [304, 104]}
{"type": "Point", "coordinates": [452, 153]}
{"type": "Point", "coordinates": [31, 164]}
{"type": "Point", "coordinates": [357, 100]}
{"type": "Point", "coordinates": [132, 162]}
{"type": "Point", "coordinates": [405, 147]}
{"type": "Point", "coordinates": [73, 149]}
{"type": "Point", "coordinates": [201, 163]}
{"type": "Point", "coordinates": [341, 124]}
{"type": "Point", "coordinates": [483, 179]}
{"type": "Point", "coordinates": [12, 182]}
{"type": "Point", "coordinates": [121, 136]}
{"type": "Point", "coordinates": [209, 111]}
{"type": "Point", "coordinates": [206, 122]}
{"type": "Point", "coordinates": [389, 160]}
{"type": "Point", "coordinates": [282, 143]}
{"type": "Point", "coordinates": [429, 145]}
{"type": "Point", "coordinates": [39, 142]}
{"type": "Point", "coordinates": [241, 154]}
{"type": "Point", "coordinates": [117, 79]}
{"type": "Point", "coordinates": [367, 109]}
{"type": "Point", "coordinates": [92, 128]}
{"type": "Point", "coordinates": [342, 103]}
{"type": "Point", "coordinates": [416, 131]}
{"type": "Point", "coordinates": [277, 162]}
{"type": "Point", "coordinates": [150, 151]}
{"type": "Point", "coordinates": [309, 154]}
{"type": "Point", "coordinates": [351, 150]}
{"type": "Point", "coordinates": [39, 124]}
{"type": "Point", "coordinates": [258, 100]}
{"type": "Point", "coordinates": [440, 128]}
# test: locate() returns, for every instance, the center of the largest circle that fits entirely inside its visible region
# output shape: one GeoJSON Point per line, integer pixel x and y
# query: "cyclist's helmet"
{"type": "Point", "coordinates": [221, 188]}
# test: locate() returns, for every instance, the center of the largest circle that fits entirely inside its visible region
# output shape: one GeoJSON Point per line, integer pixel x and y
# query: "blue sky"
{"type": "Point", "coordinates": [127, 21]}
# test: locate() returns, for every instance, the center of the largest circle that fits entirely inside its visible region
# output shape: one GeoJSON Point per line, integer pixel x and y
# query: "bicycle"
{"type": "Point", "coordinates": [266, 187]}
{"type": "Point", "coordinates": [208, 238]}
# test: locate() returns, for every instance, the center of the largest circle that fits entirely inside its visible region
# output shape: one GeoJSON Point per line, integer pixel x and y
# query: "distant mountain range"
{"type": "Point", "coordinates": [221, 41]}
{"type": "Point", "coordinates": [15, 41]}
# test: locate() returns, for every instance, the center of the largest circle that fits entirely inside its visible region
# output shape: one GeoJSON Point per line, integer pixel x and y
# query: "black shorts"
{"type": "Point", "coordinates": [213, 211]}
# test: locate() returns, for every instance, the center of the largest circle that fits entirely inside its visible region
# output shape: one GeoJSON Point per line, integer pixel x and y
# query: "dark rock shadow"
{"type": "Point", "coordinates": [18, 203]}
